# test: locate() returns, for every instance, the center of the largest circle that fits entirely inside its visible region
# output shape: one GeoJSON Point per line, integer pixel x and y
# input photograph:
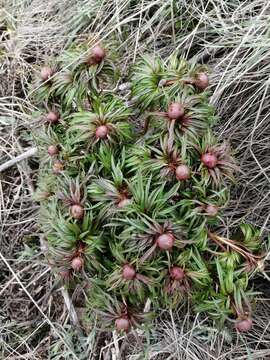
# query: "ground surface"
{"type": "Point", "coordinates": [232, 37]}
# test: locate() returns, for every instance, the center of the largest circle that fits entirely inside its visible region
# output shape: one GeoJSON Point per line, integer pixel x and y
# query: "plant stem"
{"type": "Point", "coordinates": [28, 153]}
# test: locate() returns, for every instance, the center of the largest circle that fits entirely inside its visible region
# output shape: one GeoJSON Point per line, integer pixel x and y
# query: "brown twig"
{"type": "Point", "coordinates": [236, 246]}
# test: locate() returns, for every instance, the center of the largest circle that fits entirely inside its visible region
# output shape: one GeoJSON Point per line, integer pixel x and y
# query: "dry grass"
{"type": "Point", "coordinates": [233, 38]}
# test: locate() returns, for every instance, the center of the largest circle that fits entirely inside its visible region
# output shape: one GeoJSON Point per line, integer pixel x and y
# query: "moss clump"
{"type": "Point", "coordinates": [135, 193]}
